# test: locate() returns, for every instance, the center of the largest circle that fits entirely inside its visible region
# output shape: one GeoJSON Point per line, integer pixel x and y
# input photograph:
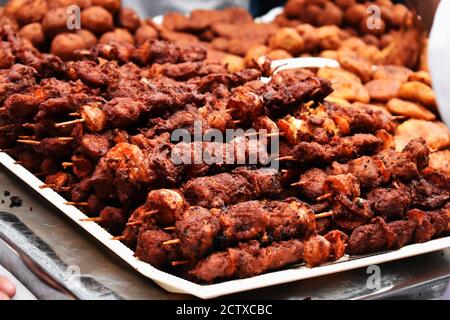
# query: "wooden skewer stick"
{"type": "Point", "coordinates": [66, 165]}
{"type": "Point", "coordinates": [18, 162]}
{"type": "Point", "coordinates": [2, 109]}
{"type": "Point", "coordinates": [269, 135]}
{"type": "Point", "coordinates": [6, 127]}
{"type": "Point", "coordinates": [171, 242]}
{"type": "Point", "coordinates": [395, 185]}
{"type": "Point", "coordinates": [119, 238]}
{"type": "Point", "coordinates": [150, 213]}
{"type": "Point", "coordinates": [325, 196]}
{"type": "Point", "coordinates": [179, 263]}
{"type": "Point", "coordinates": [286, 158]}
{"type": "Point", "coordinates": [134, 223]}
{"type": "Point", "coordinates": [78, 204]}
{"type": "Point", "coordinates": [68, 123]}
{"type": "Point", "coordinates": [300, 183]}
{"type": "Point", "coordinates": [433, 150]}
{"type": "Point", "coordinates": [324, 215]}
{"type": "Point", "coordinates": [27, 137]}
{"type": "Point", "coordinates": [274, 134]}
{"type": "Point", "coordinates": [74, 114]}
{"type": "Point", "coordinates": [170, 228]}
{"type": "Point", "coordinates": [46, 186]}
{"type": "Point", "coordinates": [30, 142]}
{"type": "Point", "coordinates": [65, 138]}
{"type": "Point", "coordinates": [237, 121]}
{"type": "Point", "coordinates": [95, 219]}
{"type": "Point", "coordinates": [230, 110]}
{"type": "Point", "coordinates": [399, 118]}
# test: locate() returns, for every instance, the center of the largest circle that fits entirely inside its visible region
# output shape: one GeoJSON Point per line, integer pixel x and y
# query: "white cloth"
{"type": "Point", "coordinates": [439, 58]}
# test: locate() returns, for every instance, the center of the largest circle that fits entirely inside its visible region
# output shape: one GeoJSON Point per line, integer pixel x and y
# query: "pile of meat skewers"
{"type": "Point", "coordinates": [98, 131]}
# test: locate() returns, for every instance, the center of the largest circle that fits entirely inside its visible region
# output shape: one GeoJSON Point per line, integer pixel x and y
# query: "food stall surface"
{"type": "Point", "coordinates": [422, 277]}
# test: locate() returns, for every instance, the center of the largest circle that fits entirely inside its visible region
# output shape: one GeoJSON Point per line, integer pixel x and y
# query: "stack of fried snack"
{"type": "Point", "coordinates": [54, 25]}
{"type": "Point", "coordinates": [364, 165]}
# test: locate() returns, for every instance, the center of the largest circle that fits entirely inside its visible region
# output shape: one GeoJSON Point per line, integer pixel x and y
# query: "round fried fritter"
{"type": "Point", "coordinates": [355, 14]}
{"type": "Point", "coordinates": [440, 161]}
{"type": "Point", "coordinates": [33, 32]}
{"type": "Point", "coordinates": [234, 63]}
{"type": "Point", "coordinates": [294, 8]}
{"type": "Point", "coordinates": [55, 22]}
{"type": "Point", "coordinates": [26, 11]}
{"type": "Point", "coordinates": [410, 109]}
{"type": "Point", "coordinates": [110, 5]}
{"type": "Point", "coordinates": [254, 53]}
{"type": "Point", "coordinates": [356, 64]}
{"type": "Point", "coordinates": [383, 90]}
{"type": "Point", "coordinates": [145, 33]}
{"type": "Point", "coordinates": [392, 72]}
{"type": "Point", "coordinates": [118, 35]}
{"type": "Point", "coordinates": [89, 38]}
{"type": "Point", "coordinates": [279, 54]}
{"type": "Point", "coordinates": [129, 19]}
{"type": "Point", "coordinates": [97, 20]}
{"type": "Point", "coordinates": [287, 39]}
{"type": "Point", "coordinates": [331, 15]}
{"type": "Point", "coordinates": [346, 85]}
{"type": "Point", "coordinates": [64, 45]}
{"type": "Point", "coordinates": [421, 76]}
{"type": "Point", "coordinates": [418, 92]}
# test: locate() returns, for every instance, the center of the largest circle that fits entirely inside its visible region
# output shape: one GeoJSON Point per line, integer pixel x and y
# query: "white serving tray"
{"type": "Point", "coordinates": [175, 284]}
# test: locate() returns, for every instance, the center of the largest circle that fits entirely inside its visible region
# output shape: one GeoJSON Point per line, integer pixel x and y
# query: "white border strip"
{"type": "Point", "coordinates": [178, 285]}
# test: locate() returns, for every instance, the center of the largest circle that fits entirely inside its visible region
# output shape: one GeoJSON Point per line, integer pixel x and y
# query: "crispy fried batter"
{"type": "Point", "coordinates": [436, 134]}
{"type": "Point", "coordinates": [346, 85]}
{"type": "Point", "coordinates": [410, 109]}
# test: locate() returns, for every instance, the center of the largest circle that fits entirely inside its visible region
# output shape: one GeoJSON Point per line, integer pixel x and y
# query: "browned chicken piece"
{"type": "Point", "coordinates": [390, 203]}
{"type": "Point", "coordinates": [59, 181]}
{"type": "Point", "coordinates": [342, 184]}
{"type": "Point", "coordinates": [229, 188]}
{"type": "Point", "coordinates": [339, 149]}
{"type": "Point", "coordinates": [112, 218]}
{"type": "Point", "coordinates": [150, 248]}
{"type": "Point", "coordinates": [380, 235]}
{"type": "Point", "coordinates": [168, 204]}
{"type": "Point", "coordinates": [93, 145]}
{"type": "Point", "coordinates": [250, 259]}
{"type": "Point", "coordinates": [129, 162]}
{"type": "Point", "coordinates": [82, 166]}
{"type": "Point", "coordinates": [311, 183]}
